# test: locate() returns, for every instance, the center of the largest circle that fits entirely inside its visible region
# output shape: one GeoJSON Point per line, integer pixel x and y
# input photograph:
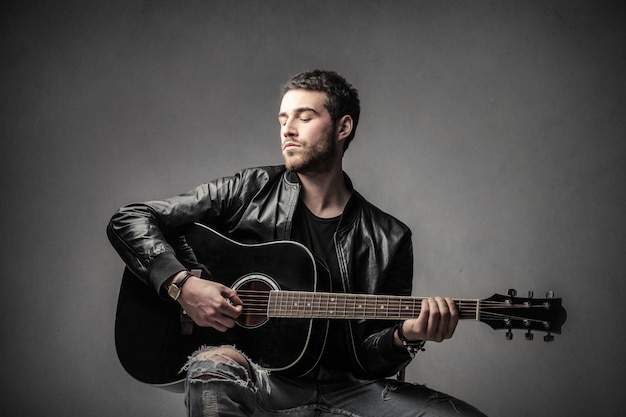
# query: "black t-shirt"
{"type": "Point", "coordinates": [317, 234]}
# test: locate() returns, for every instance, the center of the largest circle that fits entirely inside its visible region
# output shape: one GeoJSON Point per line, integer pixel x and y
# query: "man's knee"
{"type": "Point", "coordinates": [223, 354]}
{"type": "Point", "coordinates": [219, 380]}
{"type": "Point", "coordinates": [225, 363]}
{"type": "Point", "coordinates": [220, 362]}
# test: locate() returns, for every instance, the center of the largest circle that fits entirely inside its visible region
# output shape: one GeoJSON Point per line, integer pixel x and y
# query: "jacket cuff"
{"type": "Point", "coordinates": [389, 349]}
{"type": "Point", "coordinates": [162, 268]}
{"type": "Point", "coordinates": [384, 358]}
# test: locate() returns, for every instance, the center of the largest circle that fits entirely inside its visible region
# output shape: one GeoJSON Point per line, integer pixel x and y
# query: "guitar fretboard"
{"type": "Point", "coordinates": [301, 304]}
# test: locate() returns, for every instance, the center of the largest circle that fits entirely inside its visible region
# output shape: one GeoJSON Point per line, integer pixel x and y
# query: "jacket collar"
{"type": "Point", "coordinates": [352, 207]}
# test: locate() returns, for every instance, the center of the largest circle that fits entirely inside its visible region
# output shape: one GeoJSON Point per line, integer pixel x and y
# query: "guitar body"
{"type": "Point", "coordinates": [149, 339]}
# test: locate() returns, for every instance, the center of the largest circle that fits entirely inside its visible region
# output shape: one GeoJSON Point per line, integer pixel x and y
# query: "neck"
{"type": "Point", "coordinates": [325, 194]}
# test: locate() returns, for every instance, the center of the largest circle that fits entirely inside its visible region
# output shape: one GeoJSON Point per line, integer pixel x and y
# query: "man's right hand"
{"type": "Point", "coordinates": [210, 304]}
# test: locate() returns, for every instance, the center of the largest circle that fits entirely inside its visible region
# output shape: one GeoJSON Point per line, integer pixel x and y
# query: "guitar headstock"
{"type": "Point", "coordinates": [512, 312]}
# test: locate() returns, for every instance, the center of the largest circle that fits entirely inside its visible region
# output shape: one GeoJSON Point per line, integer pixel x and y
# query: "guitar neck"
{"type": "Point", "coordinates": [301, 304]}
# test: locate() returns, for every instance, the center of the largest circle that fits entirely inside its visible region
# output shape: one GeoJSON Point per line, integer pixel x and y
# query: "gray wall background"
{"type": "Point", "coordinates": [495, 129]}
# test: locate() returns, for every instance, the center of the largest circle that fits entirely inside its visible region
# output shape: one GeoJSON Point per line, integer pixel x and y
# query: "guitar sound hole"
{"type": "Point", "coordinates": [254, 291]}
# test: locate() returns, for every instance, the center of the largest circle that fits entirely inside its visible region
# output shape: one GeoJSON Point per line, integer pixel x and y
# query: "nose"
{"type": "Point", "coordinates": [288, 129]}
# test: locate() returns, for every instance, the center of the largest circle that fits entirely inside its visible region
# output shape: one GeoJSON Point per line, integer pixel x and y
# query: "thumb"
{"type": "Point", "coordinates": [231, 295]}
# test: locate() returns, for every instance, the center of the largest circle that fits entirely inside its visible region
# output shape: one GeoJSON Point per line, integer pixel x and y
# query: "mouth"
{"type": "Point", "coordinates": [290, 145]}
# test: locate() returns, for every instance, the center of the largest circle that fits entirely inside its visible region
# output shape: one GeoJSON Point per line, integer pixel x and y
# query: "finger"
{"type": "Point", "coordinates": [231, 295]}
{"type": "Point", "coordinates": [235, 300]}
{"type": "Point", "coordinates": [206, 320]}
{"type": "Point", "coordinates": [444, 318]}
{"type": "Point", "coordinates": [219, 322]}
{"type": "Point", "coordinates": [217, 326]}
{"type": "Point", "coordinates": [454, 317]}
{"type": "Point", "coordinates": [433, 319]}
{"type": "Point", "coordinates": [229, 310]}
{"type": "Point", "coordinates": [225, 322]}
{"type": "Point", "coordinates": [422, 320]}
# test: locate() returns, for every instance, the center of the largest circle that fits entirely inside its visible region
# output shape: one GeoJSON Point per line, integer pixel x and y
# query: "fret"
{"type": "Point", "coordinates": [270, 304]}
{"type": "Point", "coordinates": [374, 309]}
{"type": "Point", "coordinates": [279, 305]}
{"type": "Point", "coordinates": [283, 304]}
{"type": "Point", "coordinates": [378, 307]}
{"type": "Point", "coordinates": [298, 304]}
{"type": "Point", "coordinates": [332, 304]}
{"type": "Point", "coordinates": [308, 300]}
{"type": "Point", "coordinates": [411, 307]}
{"type": "Point", "coordinates": [316, 313]}
{"type": "Point", "coordinates": [290, 304]}
{"type": "Point", "coordinates": [403, 309]}
{"type": "Point", "coordinates": [353, 297]}
{"type": "Point", "coordinates": [289, 307]}
{"type": "Point", "coordinates": [341, 306]}
{"type": "Point", "coordinates": [396, 310]}
{"type": "Point", "coordinates": [297, 307]}
{"type": "Point", "coordinates": [276, 302]}
{"type": "Point", "coordinates": [361, 306]}
{"type": "Point", "coordinates": [384, 306]}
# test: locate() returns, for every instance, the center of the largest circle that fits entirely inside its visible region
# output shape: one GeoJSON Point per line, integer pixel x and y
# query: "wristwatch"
{"type": "Point", "coordinates": [176, 287]}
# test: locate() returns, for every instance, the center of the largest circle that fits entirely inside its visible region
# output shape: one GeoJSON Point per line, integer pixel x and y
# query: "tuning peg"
{"type": "Point", "coordinates": [531, 294]}
{"type": "Point", "coordinates": [550, 294]}
{"type": "Point", "coordinates": [529, 335]}
{"type": "Point", "coordinates": [548, 337]}
{"type": "Point", "coordinates": [509, 335]}
{"type": "Point", "coordinates": [512, 292]}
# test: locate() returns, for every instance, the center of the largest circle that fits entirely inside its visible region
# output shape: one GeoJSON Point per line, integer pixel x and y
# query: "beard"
{"type": "Point", "coordinates": [313, 157]}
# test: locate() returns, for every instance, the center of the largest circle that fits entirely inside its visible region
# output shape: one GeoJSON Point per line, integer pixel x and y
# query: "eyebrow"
{"type": "Point", "coordinates": [298, 111]}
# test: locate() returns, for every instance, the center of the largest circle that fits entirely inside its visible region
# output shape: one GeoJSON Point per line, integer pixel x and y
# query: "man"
{"type": "Point", "coordinates": [312, 201]}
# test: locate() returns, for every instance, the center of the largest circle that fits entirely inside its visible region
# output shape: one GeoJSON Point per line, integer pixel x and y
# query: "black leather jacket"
{"type": "Point", "coordinates": [374, 249]}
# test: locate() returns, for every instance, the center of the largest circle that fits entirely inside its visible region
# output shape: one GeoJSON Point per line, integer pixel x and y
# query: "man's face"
{"type": "Point", "coordinates": [308, 137]}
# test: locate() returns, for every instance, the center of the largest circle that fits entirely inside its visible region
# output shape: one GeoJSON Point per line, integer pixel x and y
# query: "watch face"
{"type": "Point", "coordinates": [173, 291]}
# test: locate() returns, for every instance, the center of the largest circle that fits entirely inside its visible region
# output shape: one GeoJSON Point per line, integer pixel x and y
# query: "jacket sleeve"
{"type": "Point", "coordinates": [377, 353]}
{"type": "Point", "coordinates": [148, 236]}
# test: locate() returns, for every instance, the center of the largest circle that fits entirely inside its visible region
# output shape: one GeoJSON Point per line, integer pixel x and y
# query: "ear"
{"type": "Point", "coordinates": [344, 127]}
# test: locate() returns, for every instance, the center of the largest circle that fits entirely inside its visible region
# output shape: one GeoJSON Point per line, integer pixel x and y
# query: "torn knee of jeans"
{"type": "Point", "coordinates": [225, 353]}
{"type": "Point", "coordinates": [217, 367]}
{"type": "Point", "coordinates": [218, 358]}
{"type": "Point", "coordinates": [208, 364]}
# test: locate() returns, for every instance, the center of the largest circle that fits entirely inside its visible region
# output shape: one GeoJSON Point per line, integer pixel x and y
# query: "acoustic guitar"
{"type": "Point", "coordinates": [286, 296]}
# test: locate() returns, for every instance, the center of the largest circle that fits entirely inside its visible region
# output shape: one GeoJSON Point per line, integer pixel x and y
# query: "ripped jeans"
{"type": "Point", "coordinates": [220, 386]}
